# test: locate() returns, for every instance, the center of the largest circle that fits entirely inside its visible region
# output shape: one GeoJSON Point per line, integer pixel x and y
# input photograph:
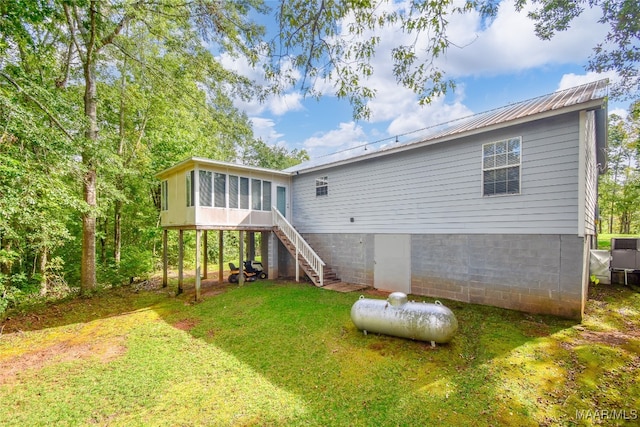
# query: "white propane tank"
{"type": "Point", "coordinates": [398, 317]}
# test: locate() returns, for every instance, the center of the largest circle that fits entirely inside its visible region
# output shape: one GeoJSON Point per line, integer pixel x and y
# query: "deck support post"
{"type": "Point", "coordinates": [241, 266]}
{"type": "Point", "coordinates": [180, 260]}
{"type": "Point", "coordinates": [220, 256]}
{"type": "Point", "coordinates": [165, 257]}
{"type": "Point", "coordinates": [251, 245]}
{"type": "Point", "coordinates": [274, 257]}
{"type": "Point", "coordinates": [205, 262]}
{"type": "Point", "coordinates": [264, 251]}
{"type": "Point", "coordinates": [297, 259]}
{"type": "Point", "coordinates": [198, 279]}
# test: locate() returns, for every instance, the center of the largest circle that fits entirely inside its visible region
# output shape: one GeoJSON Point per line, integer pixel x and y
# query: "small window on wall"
{"type": "Point", "coordinates": [220, 189]}
{"type": "Point", "coordinates": [165, 195]}
{"type": "Point", "coordinates": [190, 188]}
{"type": "Point", "coordinates": [501, 167]}
{"type": "Point", "coordinates": [205, 188]}
{"type": "Point", "coordinates": [266, 195]}
{"type": "Point", "coordinates": [322, 186]}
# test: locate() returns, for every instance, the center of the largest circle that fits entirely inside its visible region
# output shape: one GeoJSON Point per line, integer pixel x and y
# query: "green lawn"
{"type": "Point", "coordinates": [271, 353]}
{"type": "Point", "coordinates": [604, 240]}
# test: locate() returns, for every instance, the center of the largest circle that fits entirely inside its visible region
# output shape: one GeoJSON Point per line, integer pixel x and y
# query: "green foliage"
{"type": "Point", "coordinates": [619, 187]}
{"type": "Point", "coordinates": [160, 96]}
{"type": "Point", "coordinates": [258, 153]}
{"type": "Point", "coordinates": [136, 263]}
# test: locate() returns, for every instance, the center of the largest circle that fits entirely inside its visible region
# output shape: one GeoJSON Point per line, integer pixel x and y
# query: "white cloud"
{"type": "Point", "coordinates": [279, 104]}
{"type": "Point", "coordinates": [503, 45]}
{"type": "Point", "coordinates": [509, 43]}
{"type": "Point", "coordinates": [265, 129]}
{"type": "Point", "coordinates": [619, 112]}
{"type": "Point", "coordinates": [282, 104]}
{"type": "Point", "coordinates": [572, 80]}
{"type": "Point", "coordinates": [437, 112]}
{"type": "Point", "coordinates": [347, 135]}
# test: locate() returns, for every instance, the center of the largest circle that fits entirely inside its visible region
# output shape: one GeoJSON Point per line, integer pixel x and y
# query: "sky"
{"type": "Point", "coordinates": [493, 64]}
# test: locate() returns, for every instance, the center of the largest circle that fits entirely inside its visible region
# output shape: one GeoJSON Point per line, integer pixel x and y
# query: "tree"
{"type": "Point", "coordinates": [35, 199]}
{"type": "Point", "coordinates": [620, 186]}
{"type": "Point", "coordinates": [130, 87]}
{"type": "Point", "coordinates": [37, 147]}
{"type": "Point", "coordinates": [259, 153]}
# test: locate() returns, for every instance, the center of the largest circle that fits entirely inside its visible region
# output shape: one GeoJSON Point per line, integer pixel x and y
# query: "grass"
{"type": "Point", "coordinates": [272, 353]}
{"type": "Point", "coordinates": [604, 240]}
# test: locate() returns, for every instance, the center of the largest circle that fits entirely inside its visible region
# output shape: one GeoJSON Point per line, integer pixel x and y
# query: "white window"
{"type": "Point", "coordinates": [501, 162]}
{"type": "Point", "coordinates": [220, 190]}
{"type": "Point", "coordinates": [165, 195]}
{"type": "Point", "coordinates": [322, 186]}
{"type": "Point", "coordinates": [256, 195]}
{"type": "Point", "coordinates": [266, 195]}
{"type": "Point", "coordinates": [205, 188]}
{"type": "Point", "coordinates": [233, 192]}
{"type": "Point", "coordinates": [244, 193]}
{"type": "Point", "coordinates": [190, 188]}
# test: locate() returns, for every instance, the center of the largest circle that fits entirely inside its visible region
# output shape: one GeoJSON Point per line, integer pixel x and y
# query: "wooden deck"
{"type": "Point", "coordinates": [345, 287]}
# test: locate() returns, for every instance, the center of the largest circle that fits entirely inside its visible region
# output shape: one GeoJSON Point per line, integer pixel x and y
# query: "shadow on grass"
{"type": "Point", "coordinates": [502, 368]}
{"type": "Point", "coordinates": [302, 339]}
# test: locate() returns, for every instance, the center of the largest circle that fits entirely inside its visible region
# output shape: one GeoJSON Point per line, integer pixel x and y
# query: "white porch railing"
{"type": "Point", "coordinates": [301, 246]}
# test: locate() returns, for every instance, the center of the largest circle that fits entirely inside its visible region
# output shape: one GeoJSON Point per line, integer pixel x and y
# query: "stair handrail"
{"type": "Point", "coordinates": [301, 245]}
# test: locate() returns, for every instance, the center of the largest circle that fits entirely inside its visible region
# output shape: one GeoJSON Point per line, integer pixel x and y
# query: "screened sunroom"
{"type": "Point", "coordinates": [204, 195]}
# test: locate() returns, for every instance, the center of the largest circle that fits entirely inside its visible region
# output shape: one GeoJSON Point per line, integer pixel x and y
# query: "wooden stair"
{"type": "Point", "coordinates": [330, 276]}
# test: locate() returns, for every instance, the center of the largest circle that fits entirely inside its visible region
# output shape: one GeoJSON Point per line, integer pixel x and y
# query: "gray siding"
{"type": "Point", "coordinates": [437, 189]}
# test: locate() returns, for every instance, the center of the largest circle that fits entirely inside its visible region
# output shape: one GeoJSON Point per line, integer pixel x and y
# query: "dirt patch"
{"type": "Point", "coordinates": [65, 351]}
{"type": "Point", "coordinates": [376, 292]}
{"type": "Point", "coordinates": [376, 346]}
{"type": "Point", "coordinates": [186, 324]}
{"type": "Point", "coordinates": [610, 338]}
{"type": "Point", "coordinates": [208, 288]}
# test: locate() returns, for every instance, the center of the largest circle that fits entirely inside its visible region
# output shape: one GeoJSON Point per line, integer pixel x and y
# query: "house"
{"type": "Point", "coordinates": [499, 208]}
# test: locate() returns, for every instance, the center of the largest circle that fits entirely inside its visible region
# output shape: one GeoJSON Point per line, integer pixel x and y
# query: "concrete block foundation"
{"type": "Point", "coordinates": [531, 273]}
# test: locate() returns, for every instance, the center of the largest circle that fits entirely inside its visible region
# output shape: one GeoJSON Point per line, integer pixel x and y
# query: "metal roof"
{"type": "Point", "coordinates": [590, 95]}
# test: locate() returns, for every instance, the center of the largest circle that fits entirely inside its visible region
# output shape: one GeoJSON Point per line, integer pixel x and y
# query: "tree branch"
{"type": "Point", "coordinates": [108, 39]}
{"type": "Point", "coordinates": [72, 30]}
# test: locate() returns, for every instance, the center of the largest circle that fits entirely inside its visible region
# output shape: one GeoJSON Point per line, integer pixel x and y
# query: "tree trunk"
{"type": "Point", "coordinates": [88, 263]}
{"type": "Point", "coordinates": [103, 240]}
{"type": "Point", "coordinates": [43, 272]}
{"type": "Point", "coordinates": [613, 195]}
{"type": "Point", "coordinates": [117, 230]}
{"type": "Point", "coordinates": [117, 217]}
{"type": "Point", "coordinates": [5, 267]}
